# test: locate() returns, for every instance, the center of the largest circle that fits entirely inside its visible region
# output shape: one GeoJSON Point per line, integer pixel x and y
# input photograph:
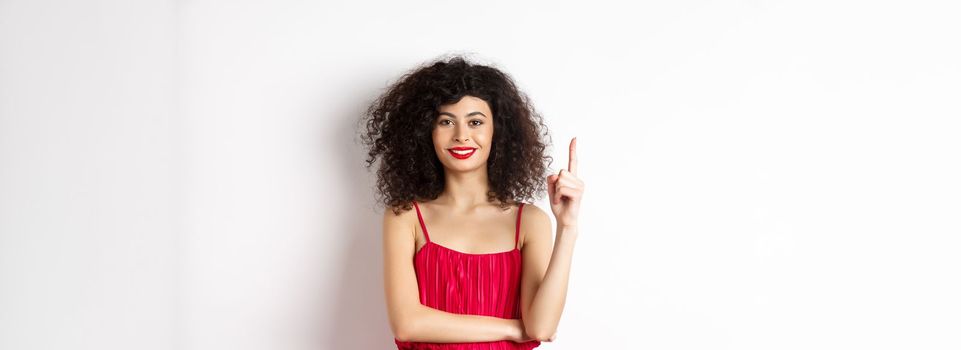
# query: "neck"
{"type": "Point", "coordinates": [465, 190]}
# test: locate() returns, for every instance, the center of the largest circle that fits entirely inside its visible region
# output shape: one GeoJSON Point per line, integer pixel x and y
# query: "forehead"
{"type": "Point", "coordinates": [466, 105]}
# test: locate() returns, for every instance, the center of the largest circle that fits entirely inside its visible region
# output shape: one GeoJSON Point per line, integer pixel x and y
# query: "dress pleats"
{"type": "Point", "coordinates": [465, 283]}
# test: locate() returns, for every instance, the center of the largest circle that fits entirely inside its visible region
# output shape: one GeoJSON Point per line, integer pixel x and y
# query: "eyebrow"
{"type": "Point", "coordinates": [468, 114]}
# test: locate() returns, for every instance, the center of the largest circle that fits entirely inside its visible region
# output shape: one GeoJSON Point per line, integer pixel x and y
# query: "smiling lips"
{"type": "Point", "coordinates": [461, 152]}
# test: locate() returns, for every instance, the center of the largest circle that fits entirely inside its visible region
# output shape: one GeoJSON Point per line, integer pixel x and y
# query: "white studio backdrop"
{"type": "Point", "coordinates": [761, 174]}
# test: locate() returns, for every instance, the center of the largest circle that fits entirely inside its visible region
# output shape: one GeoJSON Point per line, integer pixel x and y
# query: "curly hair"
{"type": "Point", "coordinates": [399, 125]}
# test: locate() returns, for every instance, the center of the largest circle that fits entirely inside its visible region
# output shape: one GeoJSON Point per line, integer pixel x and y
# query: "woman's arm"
{"type": "Point", "coordinates": [426, 324]}
{"type": "Point", "coordinates": [546, 273]}
{"type": "Point", "coordinates": [544, 288]}
{"type": "Point", "coordinates": [412, 321]}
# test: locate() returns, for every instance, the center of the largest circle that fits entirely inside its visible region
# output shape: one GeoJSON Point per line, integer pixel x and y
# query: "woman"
{"type": "Point", "coordinates": [461, 145]}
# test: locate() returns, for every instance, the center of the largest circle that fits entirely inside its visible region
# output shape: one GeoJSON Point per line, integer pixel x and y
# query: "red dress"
{"type": "Point", "coordinates": [464, 283]}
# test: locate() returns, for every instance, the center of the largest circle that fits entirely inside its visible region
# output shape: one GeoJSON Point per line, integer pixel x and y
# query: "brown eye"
{"type": "Point", "coordinates": [478, 121]}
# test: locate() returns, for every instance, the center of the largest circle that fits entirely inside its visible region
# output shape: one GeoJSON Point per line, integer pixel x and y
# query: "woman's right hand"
{"type": "Point", "coordinates": [527, 338]}
{"type": "Point", "coordinates": [522, 334]}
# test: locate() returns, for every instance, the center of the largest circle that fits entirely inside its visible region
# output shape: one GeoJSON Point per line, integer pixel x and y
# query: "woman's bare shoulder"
{"type": "Point", "coordinates": [532, 212]}
{"type": "Point", "coordinates": [535, 224]}
{"type": "Point", "coordinates": [399, 219]}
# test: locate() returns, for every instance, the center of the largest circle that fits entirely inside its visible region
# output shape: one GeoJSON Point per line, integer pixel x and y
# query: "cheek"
{"type": "Point", "coordinates": [489, 137]}
{"type": "Point", "coordinates": [436, 137]}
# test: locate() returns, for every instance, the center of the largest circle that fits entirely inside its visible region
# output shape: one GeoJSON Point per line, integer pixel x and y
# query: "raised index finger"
{"type": "Point", "coordinates": [572, 161]}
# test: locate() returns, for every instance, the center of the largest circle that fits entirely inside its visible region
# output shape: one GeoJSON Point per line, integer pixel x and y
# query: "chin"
{"type": "Point", "coordinates": [462, 168]}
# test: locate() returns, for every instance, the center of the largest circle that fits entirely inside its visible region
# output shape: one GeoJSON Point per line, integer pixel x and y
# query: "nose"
{"type": "Point", "coordinates": [461, 134]}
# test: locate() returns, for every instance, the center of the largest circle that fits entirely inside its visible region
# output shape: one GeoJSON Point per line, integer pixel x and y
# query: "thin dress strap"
{"type": "Point", "coordinates": [420, 218]}
{"type": "Point", "coordinates": [517, 233]}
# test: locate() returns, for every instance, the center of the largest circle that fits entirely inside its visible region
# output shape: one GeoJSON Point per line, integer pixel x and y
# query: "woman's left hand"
{"type": "Point", "coordinates": [565, 190]}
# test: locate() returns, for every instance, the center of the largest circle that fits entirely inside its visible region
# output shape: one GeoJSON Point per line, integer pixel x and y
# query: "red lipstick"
{"type": "Point", "coordinates": [465, 152]}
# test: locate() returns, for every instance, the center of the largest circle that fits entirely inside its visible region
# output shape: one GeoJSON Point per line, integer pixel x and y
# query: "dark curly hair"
{"type": "Point", "coordinates": [399, 124]}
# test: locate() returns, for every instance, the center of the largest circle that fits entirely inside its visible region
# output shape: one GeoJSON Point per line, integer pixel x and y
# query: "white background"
{"type": "Point", "coordinates": [761, 174]}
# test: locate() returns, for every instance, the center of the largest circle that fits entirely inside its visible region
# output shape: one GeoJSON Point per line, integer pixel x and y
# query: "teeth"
{"type": "Point", "coordinates": [464, 152]}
